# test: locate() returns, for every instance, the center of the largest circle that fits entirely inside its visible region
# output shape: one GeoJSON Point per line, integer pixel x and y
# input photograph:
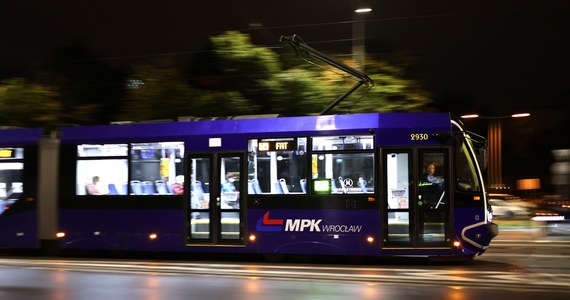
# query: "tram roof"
{"type": "Point", "coordinates": [19, 136]}
{"type": "Point", "coordinates": [264, 127]}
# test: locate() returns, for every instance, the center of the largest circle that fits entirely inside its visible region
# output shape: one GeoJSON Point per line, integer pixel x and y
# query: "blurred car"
{"type": "Point", "coordinates": [506, 209]}
{"type": "Point", "coordinates": [557, 228]}
{"type": "Point", "coordinates": [506, 197]}
{"type": "Point", "coordinates": [555, 216]}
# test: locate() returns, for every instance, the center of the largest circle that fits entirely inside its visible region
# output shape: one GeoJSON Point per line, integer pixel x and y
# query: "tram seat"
{"type": "Point", "coordinates": [253, 187]}
{"type": "Point", "coordinates": [304, 185]}
{"type": "Point", "coordinates": [148, 188]}
{"type": "Point", "coordinates": [362, 185]}
{"type": "Point", "coordinates": [333, 186]}
{"type": "Point", "coordinates": [136, 187]}
{"type": "Point", "coordinates": [250, 189]}
{"type": "Point", "coordinates": [283, 185]}
{"type": "Point", "coordinates": [170, 188]}
{"type": "Point", "coordinates": [256, 187]}
{"type": "Point", "coordinates": [113, 189]}
{"type": "Point", "coordinates": [161, 187]}
{"type": "Point", "coordinates": [124, 189]}
{"type": "Point", "coordinates": [198, 190]}
{"type": "Point", "coordinates": [278, 188]}
{"type": "Point", "coordinates": [341, 182]}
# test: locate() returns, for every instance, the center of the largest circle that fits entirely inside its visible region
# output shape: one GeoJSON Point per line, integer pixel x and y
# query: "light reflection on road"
{"type": "Point", "coordinates": [519, 262]}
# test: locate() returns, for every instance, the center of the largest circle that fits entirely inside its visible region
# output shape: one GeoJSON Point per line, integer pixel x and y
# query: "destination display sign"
{"type": "Point", "coordinates": [7, 153]}
{"type": "Point", "coordinates": [277, 145]}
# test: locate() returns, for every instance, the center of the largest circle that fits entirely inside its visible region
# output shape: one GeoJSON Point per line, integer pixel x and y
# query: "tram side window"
{"type": "Point", "coordinates": [11, 176]}
{"type": "Point", "coordinates": [466, 171]}
{"type": "Point", "coordinates": [102, 169]}
{"type": "Point", "coordinates": [347, 161]}
{"type": "Point", "coordinates": [277, 166]}
{"type": "Point", "coordinates": [156, 168]}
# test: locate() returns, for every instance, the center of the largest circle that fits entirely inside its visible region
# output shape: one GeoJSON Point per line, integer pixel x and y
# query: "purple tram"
{"type": "Point", "coordinates": [19, 160]}
{"type": "Point", "coordinates": [378, 184]}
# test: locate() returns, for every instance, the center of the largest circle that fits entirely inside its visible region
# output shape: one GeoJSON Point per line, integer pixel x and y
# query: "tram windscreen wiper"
{"type": "Point", "coordinates": [303, 49]}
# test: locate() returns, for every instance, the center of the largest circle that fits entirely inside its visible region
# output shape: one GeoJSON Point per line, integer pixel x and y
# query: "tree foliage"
{"type": "Point", "coordinates": [246, 68]}
{"type": "Point", "coordinates": [26, 104]}
{"type": "Point", "coordinates": [241, 78]}
{"type": "Point", "coordinates": [303, 89]}
{"type": "Point", "coordinates": [391, 91]}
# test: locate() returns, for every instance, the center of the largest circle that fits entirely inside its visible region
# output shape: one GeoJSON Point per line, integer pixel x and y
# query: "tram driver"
{"type": "Point", "coordinates": [431, 188]}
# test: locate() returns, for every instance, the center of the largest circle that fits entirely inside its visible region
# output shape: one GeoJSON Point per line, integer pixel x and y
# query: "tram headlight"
{"type": "Point", "coordinates": [153, 236]}
{"type": "Point", "coordinates": [60, 234]}
{"type": "Point", "coordinates": [370, 239]}
{"type": "Point", "coordinates": [456, 244]}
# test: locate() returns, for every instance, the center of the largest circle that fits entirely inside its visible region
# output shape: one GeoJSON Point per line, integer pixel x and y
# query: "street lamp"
{"type": "Point", "coordinates": [358, 37]}
{"type": "Point", "coordinates": [495, 139]}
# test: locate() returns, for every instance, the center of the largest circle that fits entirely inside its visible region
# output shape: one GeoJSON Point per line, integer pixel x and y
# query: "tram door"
{"type": "Point", "coordinates": [417, 208]}
{"type": "Point", "coordinates": [214, 213]}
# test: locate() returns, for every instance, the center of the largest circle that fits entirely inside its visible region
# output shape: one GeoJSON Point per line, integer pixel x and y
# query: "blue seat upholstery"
{"type": "Point", "coordinates": [161, 187]}
{"type": "Point", "coordinates": [113, 189]}
{"type": "Point", "coordinates": [136, 187]}
{"type": "Point", "coordinates": [304, 185]}
{"type": "Point", "coordinates": [198, 190]}
{"type": "Point", "coordinates": [148, 188]}
{"type": "Point", "coordinates": [253, 187]}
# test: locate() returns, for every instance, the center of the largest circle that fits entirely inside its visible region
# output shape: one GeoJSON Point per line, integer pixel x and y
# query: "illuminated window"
{"type": "Point", "coordinates": [102, 169]}
{"type": "Point", "coordinates": [277, 166]}
{"type": "Point", "coordinates": [341, 143]}
{"type": "Point", "coordinates": [89, 150]}
{"type": "Point", "coordinates": [346, 161]}
{"type": "Point", "coordinates": [11, 174]}
{"type": "Point", "coordinates": [155, 167]}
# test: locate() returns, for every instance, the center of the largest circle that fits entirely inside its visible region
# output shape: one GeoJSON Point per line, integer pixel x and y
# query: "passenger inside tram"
{"type": "Point", "coordinates": [92, 188]}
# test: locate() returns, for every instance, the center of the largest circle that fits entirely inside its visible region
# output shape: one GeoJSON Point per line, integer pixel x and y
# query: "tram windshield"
{"type": "Point", "coordinates": [466, 168]}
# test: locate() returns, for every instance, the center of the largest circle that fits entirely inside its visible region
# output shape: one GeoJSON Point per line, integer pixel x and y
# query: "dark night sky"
{"type": "Point", "coordinates": [497, 57]}
{"type": "Point", "coordinates": [510, 53]}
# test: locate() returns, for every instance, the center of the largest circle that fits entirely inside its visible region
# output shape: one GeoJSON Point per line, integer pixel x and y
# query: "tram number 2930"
{"type": "Point", "coordinates": [419, 136]}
